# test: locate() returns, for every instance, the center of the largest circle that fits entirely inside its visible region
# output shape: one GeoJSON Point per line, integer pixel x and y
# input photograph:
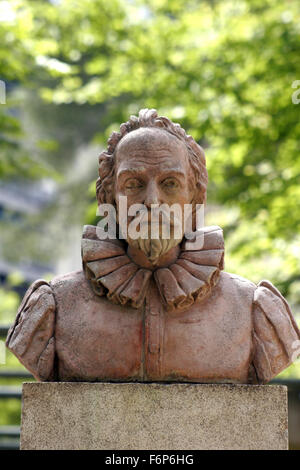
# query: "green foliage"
{"type": "Point", "coordinates": [10, 412]}
{"type": "Point", "coordinates": [10, 409]}
{"type": "Point", "coordinates": [17, 63]}
{"type": "Point", "coordinates": [9, 302]}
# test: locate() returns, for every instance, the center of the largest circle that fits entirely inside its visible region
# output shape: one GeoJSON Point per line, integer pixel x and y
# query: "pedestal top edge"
{"type": "Point", "coordinates": [155, 384]}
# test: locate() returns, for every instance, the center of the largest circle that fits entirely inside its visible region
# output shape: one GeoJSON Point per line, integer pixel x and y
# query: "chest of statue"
{"type": "Point", "coordinates": [98, 340]}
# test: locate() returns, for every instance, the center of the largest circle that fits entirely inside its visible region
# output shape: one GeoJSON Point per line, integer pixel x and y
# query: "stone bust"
{"type": "Point", "coordinates": [153, 310]}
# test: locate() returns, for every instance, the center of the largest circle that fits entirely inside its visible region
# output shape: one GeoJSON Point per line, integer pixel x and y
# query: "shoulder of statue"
{"type": "Point", "coordinates": [276, 334]}
{"type": "Point", "coordinates": [238, 288]}
{"type": "Point", "coordinates": [31, 337]}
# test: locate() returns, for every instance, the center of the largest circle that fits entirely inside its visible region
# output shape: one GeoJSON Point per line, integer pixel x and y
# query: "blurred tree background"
{"type": "Point", "coordinates": [76, 69]}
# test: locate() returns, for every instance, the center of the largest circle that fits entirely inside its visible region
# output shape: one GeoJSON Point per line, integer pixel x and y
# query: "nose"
{"type": "Point", "coordinates": [152, 194]}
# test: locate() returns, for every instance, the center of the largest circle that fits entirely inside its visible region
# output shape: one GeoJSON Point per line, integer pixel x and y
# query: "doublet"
{"type": "Point", "coordinates": [186, 322]}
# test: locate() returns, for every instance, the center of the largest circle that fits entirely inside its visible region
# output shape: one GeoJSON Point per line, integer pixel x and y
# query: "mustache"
{"type": "Point", "coordinates": [155, 218]}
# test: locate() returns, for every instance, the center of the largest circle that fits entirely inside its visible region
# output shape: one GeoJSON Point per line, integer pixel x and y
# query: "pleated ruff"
{"type": "Point", "coordinates": [189, 279]}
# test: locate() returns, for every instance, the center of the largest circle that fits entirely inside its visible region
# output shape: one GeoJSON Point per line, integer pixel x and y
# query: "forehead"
{"type": "Point", "coordinates": [148, 147]}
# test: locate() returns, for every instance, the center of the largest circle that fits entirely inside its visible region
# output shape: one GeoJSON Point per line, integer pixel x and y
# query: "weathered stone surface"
{"type": "Point", "coordinates": [153, 416]}
{"type": "Point", "coordinates": [153, 307]}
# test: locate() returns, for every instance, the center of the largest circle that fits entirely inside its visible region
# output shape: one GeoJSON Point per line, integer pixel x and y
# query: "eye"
{"type": "Point", "coordinates": [133, 183]}
{"type": "Point", "coordinates": [170, 184]}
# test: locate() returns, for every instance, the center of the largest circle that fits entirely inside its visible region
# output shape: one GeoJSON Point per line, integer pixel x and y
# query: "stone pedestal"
{"type": "Point", "coordinates": [117, 416]}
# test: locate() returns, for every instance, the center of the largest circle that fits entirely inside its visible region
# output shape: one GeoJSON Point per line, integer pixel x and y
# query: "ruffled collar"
{"type": "Point", "coordinates": [189, 279]}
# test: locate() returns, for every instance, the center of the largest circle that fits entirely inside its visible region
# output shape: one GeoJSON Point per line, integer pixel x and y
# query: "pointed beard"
{"type": "Point", "coordinates": [154, 248]}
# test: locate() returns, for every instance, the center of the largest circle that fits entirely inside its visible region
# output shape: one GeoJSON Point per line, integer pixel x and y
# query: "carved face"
{"type": "Point", "coordinates": [152, 168]}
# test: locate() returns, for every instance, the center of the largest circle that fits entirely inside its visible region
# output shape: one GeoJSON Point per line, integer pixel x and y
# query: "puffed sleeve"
{"type": "Point", "coordinates": [275, 336]}
{"type": "Point", "coordinates": [31, 337]}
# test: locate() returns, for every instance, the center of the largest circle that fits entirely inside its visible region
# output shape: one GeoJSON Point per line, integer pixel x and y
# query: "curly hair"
{"type": "Point", "coordinates": [149, 118]}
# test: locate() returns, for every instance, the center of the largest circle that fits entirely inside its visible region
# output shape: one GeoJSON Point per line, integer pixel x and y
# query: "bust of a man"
{"type": "Point", "coordinates": [153, 309]}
